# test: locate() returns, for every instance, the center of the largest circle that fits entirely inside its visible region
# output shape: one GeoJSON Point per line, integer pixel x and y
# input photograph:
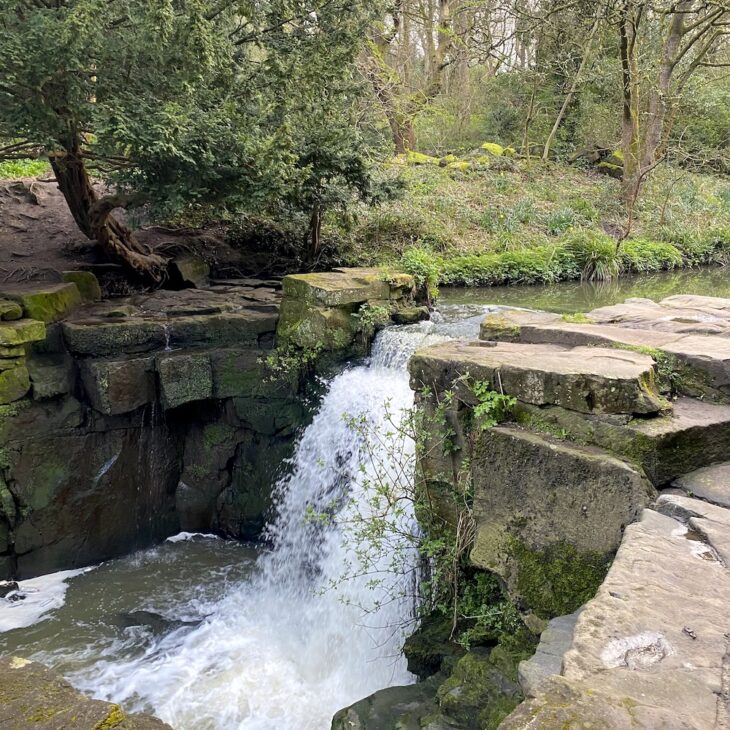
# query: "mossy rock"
{"type": "Point", "coordinates": [418, 158]}
{"type": "Point", "coordinates": [20, 332]}
{"type": "Point", "coordinates": [14, 384]}
{"type": "Point", "coordinates": [460, 166]}
{"type": "Point", "coordinates": [185, 378]}
{"type": "Point", "coordinates": [476, 688]}
{"type": "Point", "coordinates": [448, 160]}
{"type": "Point", "coordinates": [493, 148]}
{"type": "Point", "coordinates": [10, 310]}
{"type": "Point", "coordinates": [606, 168]}
{"type": "Point", "coordinates": [49, 303]}
{"type": "Point", "coordinates": [86, 283]}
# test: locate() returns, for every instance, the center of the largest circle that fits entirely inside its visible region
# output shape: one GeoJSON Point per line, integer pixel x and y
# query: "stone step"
{"type": "Point", "coordinates": [584, 379]}
{"type": "Point", "coordinates": [711, 483]}
{"type": "Point", "coordinates": [706, 356]}
{"type": "Point", "coordinates": [683, 314]}
{"type": "Point", "coordinates": [696, 434]}
{"type": "Point", "coordinates": [651, 649]}
{"type": "Point", "coordinates": [47, 302]}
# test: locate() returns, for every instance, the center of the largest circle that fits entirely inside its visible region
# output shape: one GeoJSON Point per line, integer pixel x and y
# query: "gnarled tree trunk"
{"type": "Point", "coordinates": [95, 218]}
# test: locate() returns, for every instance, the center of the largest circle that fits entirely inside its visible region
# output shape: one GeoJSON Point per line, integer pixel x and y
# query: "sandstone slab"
{"type": "Point", "coordinates": [651, 649]}
{"type": "Point", "coordinates": [547, 660]}
{"type": "Point", "coordinates": [33, 696]}
{"type": "Point", "coordinates": [538, 500]}
{"type": "Point", "coordinates": [20, 332]}
{"type": "Point", "coordinates": [335, 288]}
{"type": "Point", "coordinates": [119, 386]}
{"type": "Point", "coordinates": [47, 303]}
{"type": "Point", "coordinates": [588, 380]}
{"type": "Point", "coordinates": [184, 378]}
{"type": "Point", "coordinates": [711, 483]}
{"type": "Point", "coordinates": [693, 435]}
{"type": "Point", "coordinates": [101, 338]}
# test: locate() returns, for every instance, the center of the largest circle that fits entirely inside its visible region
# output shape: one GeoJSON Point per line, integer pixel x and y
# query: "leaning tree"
{"type": "Point", "coordinates": [169, 103]}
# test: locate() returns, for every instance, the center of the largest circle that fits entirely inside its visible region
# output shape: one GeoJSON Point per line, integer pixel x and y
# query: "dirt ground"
{"type": "Point", "coordinates": [39, 239]}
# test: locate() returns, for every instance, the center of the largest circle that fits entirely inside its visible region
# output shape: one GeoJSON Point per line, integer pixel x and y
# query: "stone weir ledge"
{"type": "Point", "coordinates": [125, 421]}
{"type": "Point", "coordinates": [619, 445]}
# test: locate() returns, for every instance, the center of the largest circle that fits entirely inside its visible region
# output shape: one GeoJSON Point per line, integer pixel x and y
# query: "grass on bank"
{"type": "Point", "coordinates": [527, 223]}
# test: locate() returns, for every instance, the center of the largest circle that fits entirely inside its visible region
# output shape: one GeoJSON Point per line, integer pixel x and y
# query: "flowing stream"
{"type": "Point", "coordinates": [210, 634]}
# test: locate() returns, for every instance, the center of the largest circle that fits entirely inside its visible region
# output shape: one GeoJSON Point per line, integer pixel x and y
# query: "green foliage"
{"type": "Point", "coordinates": [595, 255]}
{"type": "Point", "coordinates": [370, 318]}
{"type": "Point", "coordinates": [289, 362]}
{"type": "Point", "coordinates": [641, 255]}
{"type": "Point", "coordinates": [13, 169]}
{"type": "Point", "coordinates": [424, 267]}
{"type": "Point", "coordinates": [192, 103]}
{"type": "Point", "coordinates": [492, 407]}
{"type": "Point", "coordinates": [486, 613]}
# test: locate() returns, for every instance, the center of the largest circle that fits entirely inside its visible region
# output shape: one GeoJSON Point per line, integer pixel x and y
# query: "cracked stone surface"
{"type": "Point", "coordinates": [651, 649]}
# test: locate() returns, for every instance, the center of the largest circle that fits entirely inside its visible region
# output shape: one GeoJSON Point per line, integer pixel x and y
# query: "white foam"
{"type": "Point", "coordinates": [185, 536]}
{"type": "Point", "coordinates": [43, 595]}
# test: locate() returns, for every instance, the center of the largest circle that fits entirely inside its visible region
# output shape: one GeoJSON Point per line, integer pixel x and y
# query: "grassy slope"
{"type": "Point", "coordinates": [540, 222]}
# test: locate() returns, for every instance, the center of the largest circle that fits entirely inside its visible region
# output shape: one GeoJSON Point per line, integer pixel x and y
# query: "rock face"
{"type": "Point", "coordinates": [128, 421]}
{"type": "Point", "coordinates": [33, 696]}
{"type": "Point", "coordinates": [711, 483]}
{"type": "Point", "coordinates": [538, 500]}
{"type": "Point", "coordinates": [651, 649]}
{"type": "Point", "coordinates": [584, 379]}
{"type": "Point", "coordinates": [326, 311]}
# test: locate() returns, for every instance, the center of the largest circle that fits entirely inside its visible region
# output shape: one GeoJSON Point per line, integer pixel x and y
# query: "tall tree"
{"type": "Point", "coordinates": [169, 102]}
{"type": "Point", "coordinates": [662, 44]}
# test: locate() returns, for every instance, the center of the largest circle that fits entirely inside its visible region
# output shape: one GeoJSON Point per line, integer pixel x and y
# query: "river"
{"type": "Point", "coordinates": [207, 633]}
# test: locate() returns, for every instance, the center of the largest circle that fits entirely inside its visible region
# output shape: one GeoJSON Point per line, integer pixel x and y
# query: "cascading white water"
{"type": "Point", "coordinates": [306, 635]}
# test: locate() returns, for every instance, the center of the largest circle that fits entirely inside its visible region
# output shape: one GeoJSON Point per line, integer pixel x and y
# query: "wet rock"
{"type": "Point", "coordinates": [505, 325]}
{"type": "Point", "coordinates": [86, 283]}
{"type": "Point", "coordinates": [410, 708]}
{"type": "Point", "coordinates": [584, 379]}
{"type": "Point", "coordinates": [478, 694]}
{"type": "Point", "coordinates": [8, 586]}
{"type": "Point", "coordinates": [47, 303]}
{"type": "Point", "coordinates": [184, 378]}
{"type": "Point", "coordinates": [119, 386]}
{"type": "Point", "coordinates": [33, 696]}
{"type": "Point", "coordinates": [549, 515]}
{"type": "Point", "coordinates": [411, 315]}
{"type": "Point", "coordinates": [711, 483]}
{"type": "Point", "coordinates": [158, 624]}
{"type": "Point", "coordinates": [50, 375]}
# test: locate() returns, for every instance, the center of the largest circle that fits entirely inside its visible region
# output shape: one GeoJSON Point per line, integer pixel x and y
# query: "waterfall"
{"type": "Point", "coordinates": [307, 633]}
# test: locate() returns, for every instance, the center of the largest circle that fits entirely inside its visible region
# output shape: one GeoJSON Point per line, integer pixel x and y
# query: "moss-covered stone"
{"type": "Point", "coordinates": [191, 270]}
{"type": "Point", "coordinates": [19, 332]}
{"type": "Point", "coordinates": [14, 384]}
{"type": "Point", "coordinates": [460, 166]}
{"type": "Point", "coordinates": [478, 695]}
{"type": "Point", "coordinates": [184, 378]}
{"type": "Point", "coordinates": [86, 283]}
{"type": "Point", "coordinates": [48, 303]}
{"type": "Point", "coordinates": [113, 338]}
{"type": "Point", "coordinates": [10, 310]}
{"type": "Point", "coordinates": [418, 158]}
{"type": "Point", "coordinates": [493, 148]}
{"type": "Point", "coordinates": [557, 580]}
